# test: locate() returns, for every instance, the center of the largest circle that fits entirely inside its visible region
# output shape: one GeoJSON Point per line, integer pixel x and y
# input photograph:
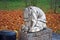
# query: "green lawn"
{"type": "Point", "coordinates": [10, 5]}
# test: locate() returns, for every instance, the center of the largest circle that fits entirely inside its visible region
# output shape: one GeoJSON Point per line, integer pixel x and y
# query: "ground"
{"type": "Point", "coordinates": [13, 20]}
{"type": "Point", "coordinates": [55, 36]}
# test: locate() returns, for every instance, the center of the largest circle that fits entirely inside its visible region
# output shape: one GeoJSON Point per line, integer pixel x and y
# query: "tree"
{"type": "Point", "coordinates": [27, 2]}
{"type": "Point", "coordinates": [33, 2]}
{"type": "Point", "coordinates": [55, 3]}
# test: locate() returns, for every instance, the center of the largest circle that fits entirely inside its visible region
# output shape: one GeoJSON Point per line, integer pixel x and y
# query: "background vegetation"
{"type": "Point", "coordinates": [21, 4]}
{"type": "Point", "coordinates": [11, 14]}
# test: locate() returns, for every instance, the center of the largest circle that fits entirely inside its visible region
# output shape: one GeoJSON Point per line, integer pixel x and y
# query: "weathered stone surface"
{"type": "Point", "coordinates": [41, 35]}
{"type": "Point", "coordinates": [34, 18]}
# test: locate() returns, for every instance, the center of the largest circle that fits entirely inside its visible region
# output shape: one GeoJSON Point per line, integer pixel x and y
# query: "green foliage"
{"type": "Point", "coordinates": [11, 5]}
{"type": "Point", "coordinates": [11, 0]}
{"type": "Point", "coordinates": [21, 4]}
{"type": "Point", "coordinates": [58, 31]}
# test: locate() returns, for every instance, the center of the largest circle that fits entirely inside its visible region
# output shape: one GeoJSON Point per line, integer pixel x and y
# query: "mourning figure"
{"type": "Point", "coordinates": [35, 19]}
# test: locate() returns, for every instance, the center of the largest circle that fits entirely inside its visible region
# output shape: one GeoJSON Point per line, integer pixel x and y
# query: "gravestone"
{"type": "Point", "coordinates": [45, 34]}
{"type": "Point", "coordinates": [35, 25]}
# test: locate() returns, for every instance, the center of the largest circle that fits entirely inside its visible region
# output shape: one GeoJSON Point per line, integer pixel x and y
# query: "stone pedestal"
{"type": "Point", "coordinates": [45, 34]}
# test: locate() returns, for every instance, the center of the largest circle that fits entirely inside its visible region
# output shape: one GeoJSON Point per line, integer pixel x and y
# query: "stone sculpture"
{"type": "Point", "coordinates": [35, 19]}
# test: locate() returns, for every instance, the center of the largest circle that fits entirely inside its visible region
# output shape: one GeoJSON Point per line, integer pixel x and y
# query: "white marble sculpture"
{"type": "Point", "coordinates": [35, 19]}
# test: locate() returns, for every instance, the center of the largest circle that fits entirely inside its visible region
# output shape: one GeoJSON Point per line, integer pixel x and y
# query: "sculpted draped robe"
{"type": "Point", "coordinates": [35, 19]}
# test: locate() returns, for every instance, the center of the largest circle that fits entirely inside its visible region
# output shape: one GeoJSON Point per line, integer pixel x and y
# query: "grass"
{"type": "Point", "coordinates": [11, 5]}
